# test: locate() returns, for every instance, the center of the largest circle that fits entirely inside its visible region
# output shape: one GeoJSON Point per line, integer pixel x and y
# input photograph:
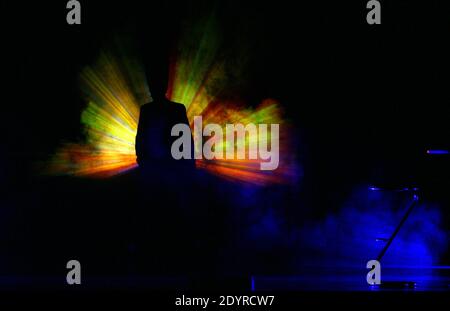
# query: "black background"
{"type": "Point", "coordinates": [364, 98]}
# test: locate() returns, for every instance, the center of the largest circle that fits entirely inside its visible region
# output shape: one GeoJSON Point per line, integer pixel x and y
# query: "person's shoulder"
{"type": "Point", "coordinates": [145, 107]}
{"type": "Point", "coordinates": [179, 106]}
{"type": "Point", "coordinates": [144, 111]}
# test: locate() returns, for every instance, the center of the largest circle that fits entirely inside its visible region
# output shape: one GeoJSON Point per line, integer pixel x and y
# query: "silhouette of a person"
{"type": "Point", "coordinates": [153, 139]}
{"type": "Point", "coordinates": [162, 216]}
{"type": "Point", "coordinates": [176, 228]}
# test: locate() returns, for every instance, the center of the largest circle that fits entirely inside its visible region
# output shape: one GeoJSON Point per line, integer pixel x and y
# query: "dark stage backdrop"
{"type": "Point", "coordinates": [364, 103]}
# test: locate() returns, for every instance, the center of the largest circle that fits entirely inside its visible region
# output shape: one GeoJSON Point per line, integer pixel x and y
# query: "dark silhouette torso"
{"type": "Point", "coordinates": [153, 139]}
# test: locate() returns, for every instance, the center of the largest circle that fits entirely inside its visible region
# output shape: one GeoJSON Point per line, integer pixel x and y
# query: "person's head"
{"type": "Point", "coordinates": [156, 50]}
{"type": "Point", "coordinates": [158, 79]}
{"type": "Point", "coordinates": [158, 27]}
{"type": "Point", "coordinates": [159, 30]}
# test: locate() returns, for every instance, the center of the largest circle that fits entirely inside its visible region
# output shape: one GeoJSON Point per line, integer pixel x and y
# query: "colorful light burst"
{"type": "Point", "coordinates": [115, 90]}
{"type": "Point", "coordinates": [197, 78]}
{"type": "Point", "coordinates": [247, 170]}
{"type": "Point", "coordinates": [116, 86]}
